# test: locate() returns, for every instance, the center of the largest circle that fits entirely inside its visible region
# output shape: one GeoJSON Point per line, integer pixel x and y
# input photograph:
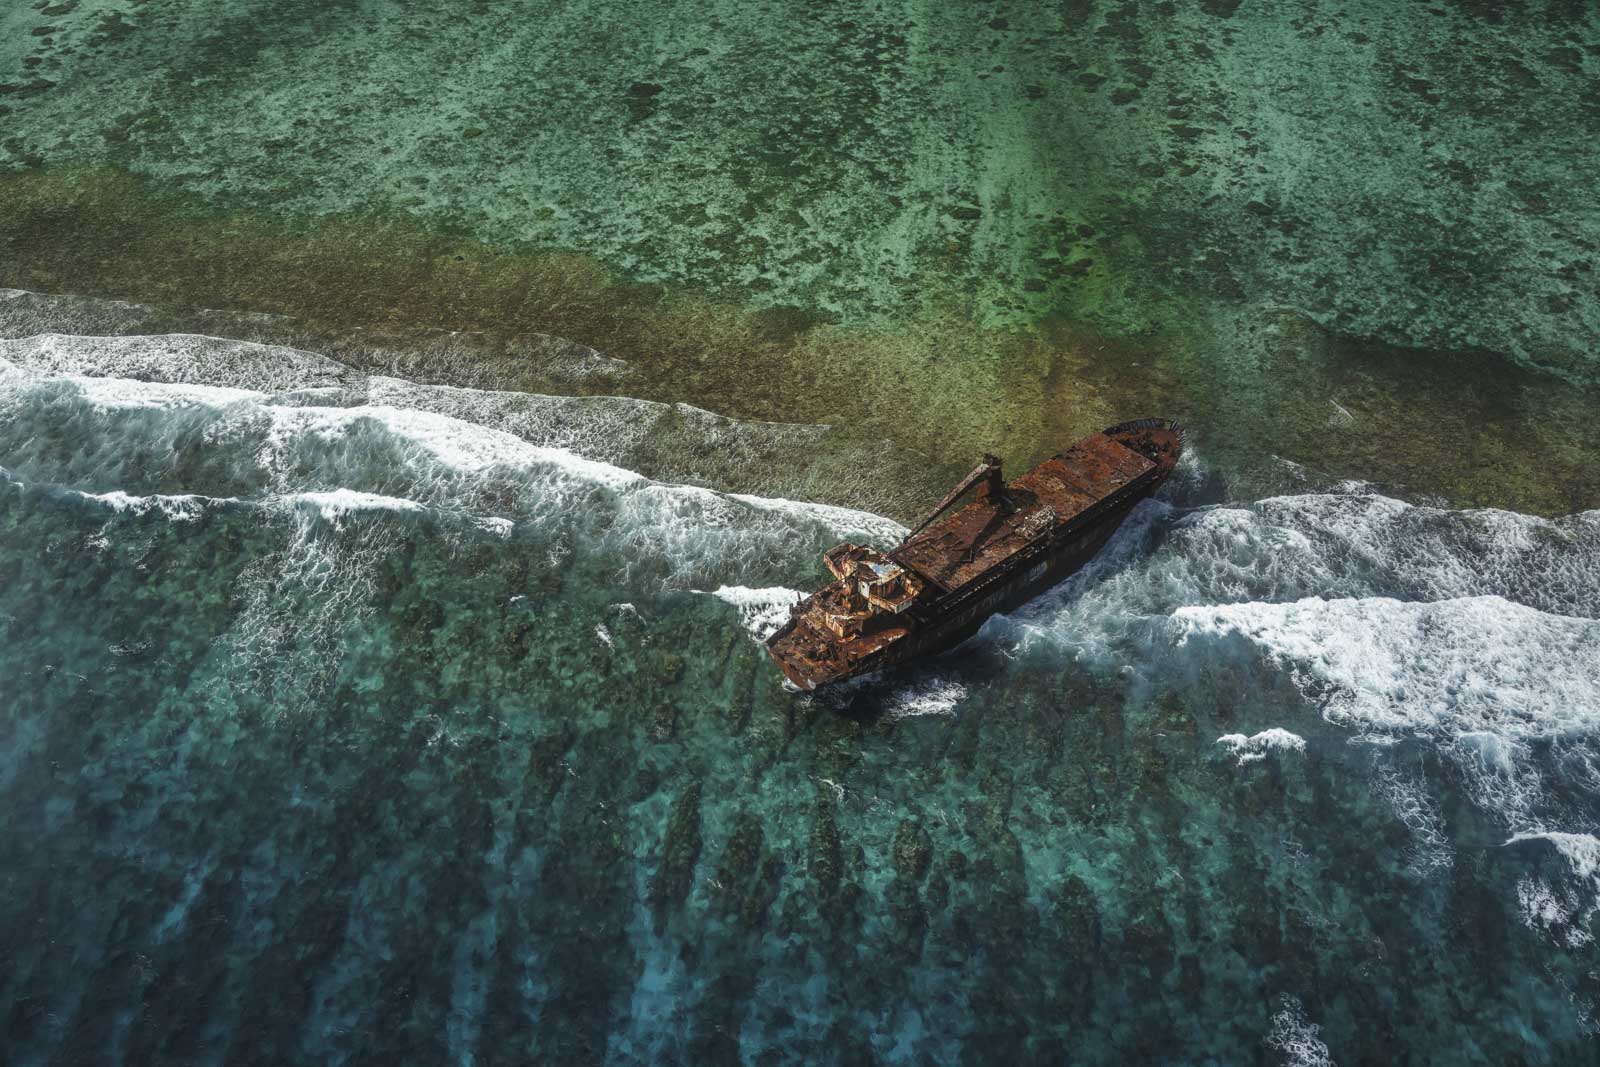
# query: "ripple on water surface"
{"type": "Point", "coordinates": [408, 718]}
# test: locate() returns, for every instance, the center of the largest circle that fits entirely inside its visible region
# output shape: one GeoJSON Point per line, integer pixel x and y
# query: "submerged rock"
{"type": "Point", "coordinates": [680, 852]}
{"type": "Point", "coordinates": [747, 879]}
{"type": "Point", "coordinates": [913, 851]}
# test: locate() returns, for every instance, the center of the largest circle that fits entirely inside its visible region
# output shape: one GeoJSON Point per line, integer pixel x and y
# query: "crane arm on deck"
{"type": "Point", "coordinates": [988, 469]}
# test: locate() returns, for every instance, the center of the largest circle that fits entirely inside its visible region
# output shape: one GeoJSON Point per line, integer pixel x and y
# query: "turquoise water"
{"type": "Point", "coordinates": [412, 418]}
{"type": "Point", "coordinates": [344, 722]}
{"type": "Point", "coordinates": [1417, 174]}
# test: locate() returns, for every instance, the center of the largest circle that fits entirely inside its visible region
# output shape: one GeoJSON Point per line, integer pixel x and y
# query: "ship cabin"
{"type": "Point", "coordinates": [869, 584]}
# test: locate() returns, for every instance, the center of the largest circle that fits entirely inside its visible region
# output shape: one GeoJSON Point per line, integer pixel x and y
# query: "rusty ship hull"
{"type": "Point", "coordinates": [1013, 541]}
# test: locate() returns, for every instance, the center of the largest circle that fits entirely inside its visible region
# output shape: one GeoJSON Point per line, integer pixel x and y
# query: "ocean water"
{"type": "Point", "coordinates": [1296, 225]}
{"type": "Point", "coordinates": [348, 717]}
{"type": "Point", "coordinates": [1419, 174]}
{"type": "Point", "coordinates": [412, 417]}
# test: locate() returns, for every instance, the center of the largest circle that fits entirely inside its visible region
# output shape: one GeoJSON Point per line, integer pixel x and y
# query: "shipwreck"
{"type": "Point", "coordinates": [955, 569]}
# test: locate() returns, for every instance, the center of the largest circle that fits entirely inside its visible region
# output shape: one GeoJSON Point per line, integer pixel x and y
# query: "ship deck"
{"type": "Point", "coordinates": [969, 543]}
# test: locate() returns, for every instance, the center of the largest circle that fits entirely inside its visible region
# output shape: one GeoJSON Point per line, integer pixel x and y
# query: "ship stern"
{"type": "Point", "coordinates": [788, 652]}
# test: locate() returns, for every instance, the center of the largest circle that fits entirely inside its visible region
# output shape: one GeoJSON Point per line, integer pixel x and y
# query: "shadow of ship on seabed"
{"type": "Point", "coordinates": [953, 572]}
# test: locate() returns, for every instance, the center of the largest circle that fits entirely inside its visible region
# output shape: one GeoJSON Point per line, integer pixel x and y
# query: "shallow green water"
{"type": "Point", "coordinates": [349, 714]}
{"type": "Point", "coordinates": [1415, 175]}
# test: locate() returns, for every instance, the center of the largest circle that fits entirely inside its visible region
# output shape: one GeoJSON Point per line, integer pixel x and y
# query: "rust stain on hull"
{"type": "Point", "coordinates": [1010, 543]}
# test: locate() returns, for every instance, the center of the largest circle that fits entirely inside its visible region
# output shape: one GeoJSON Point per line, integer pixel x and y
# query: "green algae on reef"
{"type": "Point", "coordinates": [1299, 229]}
{"type": "Point", "coordinates": [1419, 177]}
{"type": "Point", "coordinates": [376, 292]}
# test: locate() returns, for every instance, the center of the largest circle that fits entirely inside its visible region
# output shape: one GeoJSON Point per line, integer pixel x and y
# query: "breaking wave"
{"type": "Point", "coordinates": [761, 611]}
{"type": "Point", "coordinates": [176, 445]}
{"type": "Point", "coordinates": [1473, 629]}
{"type": "Point", "coordinates": [1256, 747]}
{"type": "Point", "coordinates": [1476, 630]}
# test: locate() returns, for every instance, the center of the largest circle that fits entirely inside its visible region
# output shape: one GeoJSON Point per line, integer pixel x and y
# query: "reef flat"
{"type": "Point", "coordinates": [1296, 228]}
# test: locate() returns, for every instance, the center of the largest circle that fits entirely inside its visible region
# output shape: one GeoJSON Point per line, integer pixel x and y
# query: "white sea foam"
{"type": "Point", "coordinates": [698, 445]}
{"type": "Point", "coordinates": [497, 525]}
{"type": "Point", "coordinates": [847, 522]}
{"type": "Point", "coordinates": [761, 611]}
{"type": "Point", "coordinates": [1333, 546]}
{"type": "Point", "coordinates": [194, 359]}
{"type": "Point", "coordinates": [184, 507]}
{"type": "Point", "coordinates": [933, 697]}
{"type": "Point", "coordinates": [338, 503]}
{"type": "Point", "coordinates": [1297, 1037]}
{"type": "Point", "coordinates": [1254, 748]}
{"type": "Point", "coordinates": [1481, 675]}
{"type": "Point", "coordinates": [1094, 610]}
{"type": "Point", "coordinates": [435, 460]}
{"type": "Point", "coordinates": [1473, 665]}
{"type": "Point", "coordinates": [599, 427]}
{"type": "Point", "coordinates": [124, 393]}
{"type": "Point", "coordinates": [1581, 851]}
{"type": "Point", "coordinates": [1492, 752]}
{"type": "Point", "coordinates": [1367, 544]}
{"type": "Point", "coordinates": [462, 446]}
{"type": "Point", "coordinates": [1473, 628]}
